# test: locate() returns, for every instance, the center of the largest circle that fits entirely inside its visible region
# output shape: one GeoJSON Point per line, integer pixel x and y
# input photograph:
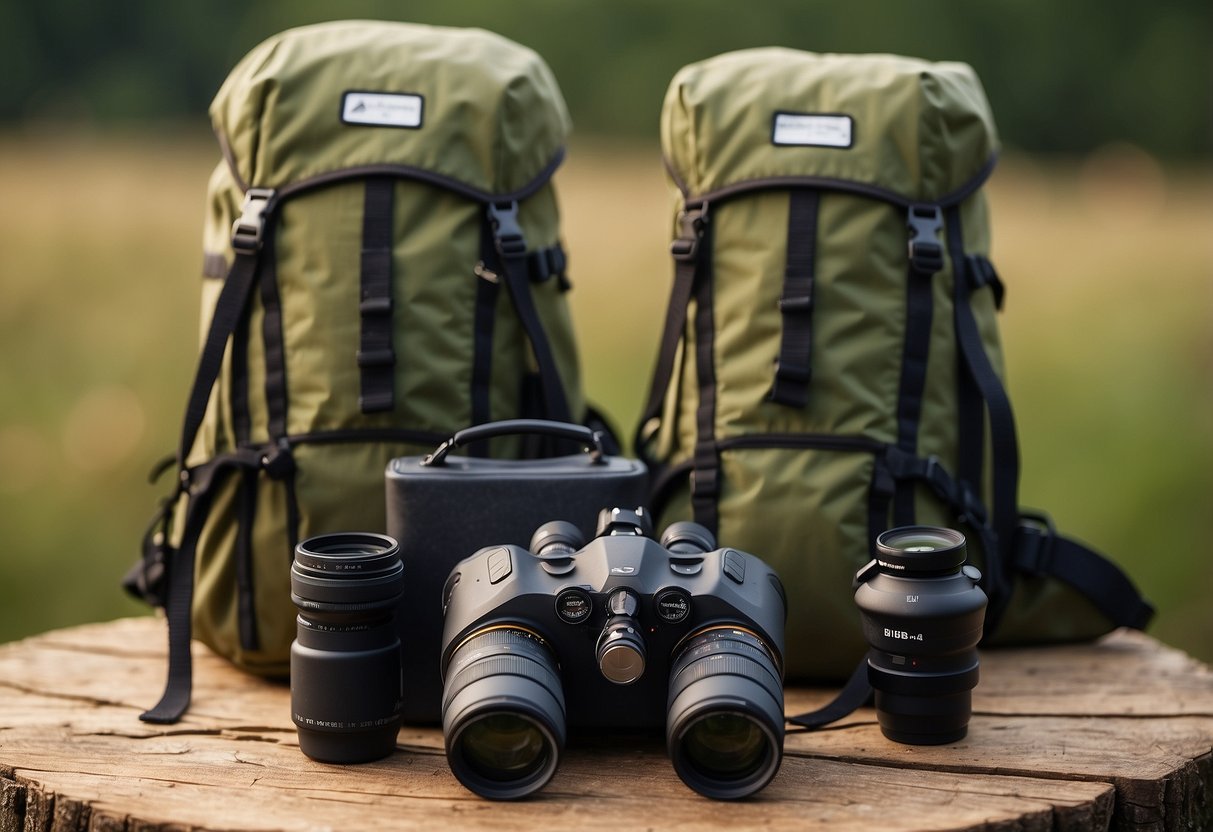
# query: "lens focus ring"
{"type": "Point", "coordinates": [503, 713]}
{"type": "Point", "coordinates": [724, 727]}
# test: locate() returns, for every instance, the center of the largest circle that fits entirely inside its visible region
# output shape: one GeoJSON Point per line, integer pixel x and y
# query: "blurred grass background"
{"type": "Point", "coordinates": [1102, 212]}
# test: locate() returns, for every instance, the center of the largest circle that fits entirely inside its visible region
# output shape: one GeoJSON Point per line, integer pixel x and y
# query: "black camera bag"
{"type": "Point", "coordinates": [443, 509]}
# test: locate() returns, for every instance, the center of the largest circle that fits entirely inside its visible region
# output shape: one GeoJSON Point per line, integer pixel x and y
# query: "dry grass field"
{"type": "Point", "coordinates": [1108, 325]}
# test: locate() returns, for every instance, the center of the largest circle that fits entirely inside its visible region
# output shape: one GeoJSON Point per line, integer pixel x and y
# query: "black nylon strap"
{"type": "Point", "coordinates": [176, 697]}
{"type": "Point", "coordinates": [1004, 504]}
{"type": "Point", "coordinates": [705, 474]}
{"type": "Point", "coordinates": [512, 257]}
{"type": "Point", "coordinates": [794, 366]}
{"type": "Point", "coordinates": [1040, 552]}
{"type": "Point", "coordinates": [687, 250]}
{"type": "Point", "coordinates": [484, 320]}
{"type": "Point", "coordinates": [376, 356]}
{"type": "Point", "coordinates": [272, 338]}
{"type": "Point", "coordinates": [856, 693]}
{"type": "Point", "coordinates": [923, 224]}
{"type": "Point", "coordinates": [241, 420]}
{"type": "Point", "coordinates": [228, 310]}
{"type": "Point", "coordinates": [880, 493]}
{"type": "Point", "coordinates": [246, 612]}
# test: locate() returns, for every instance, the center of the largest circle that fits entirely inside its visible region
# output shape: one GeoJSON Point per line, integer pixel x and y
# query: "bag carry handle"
{"type": "Point", "coordinates": [590, 440]}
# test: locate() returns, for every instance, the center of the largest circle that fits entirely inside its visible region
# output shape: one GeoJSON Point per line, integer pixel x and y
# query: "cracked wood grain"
{"type": "Point", "coordinates": [1097, 753]}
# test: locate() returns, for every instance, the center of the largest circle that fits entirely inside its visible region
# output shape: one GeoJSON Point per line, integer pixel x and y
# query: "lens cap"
{"type": "Point", "coordinates": [920, 550]}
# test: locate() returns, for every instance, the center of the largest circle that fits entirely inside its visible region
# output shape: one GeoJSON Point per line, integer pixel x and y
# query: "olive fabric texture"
{"type": "Point", "coordinates": [383, 267]}
{"type": "Point", "coordinates": [831, 365]}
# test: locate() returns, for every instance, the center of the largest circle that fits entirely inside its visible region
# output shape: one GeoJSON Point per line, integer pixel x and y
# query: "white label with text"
{"type": "Point", "coordinates": [808, 130]}
{"type": "Point", "coordinates": [382, 109]}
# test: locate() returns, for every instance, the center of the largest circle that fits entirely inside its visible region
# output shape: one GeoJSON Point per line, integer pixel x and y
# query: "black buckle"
{"type": "Point", "coordinates": [981, 274]}
{"type": "Point", "coordinates": [924, 222]}
{"type": "Point", "coordinates": [691, 223]}
{"type": "Point", "coordinates": [1034, 543]}
{"type": "Point", "coordinates": [511, 242]}
{"type": "Point", "coordinates": [278, 462]}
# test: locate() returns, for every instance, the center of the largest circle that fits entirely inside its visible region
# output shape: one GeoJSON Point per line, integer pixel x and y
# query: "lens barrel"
{"type": "Point", "coordinates": [922, 614]}
{"type": "Point", "coordinates": [346, 685]}
{"type": "Point", "coordinates": [503, 714]}
{"type": "Point", "coordinates": [724, 721]}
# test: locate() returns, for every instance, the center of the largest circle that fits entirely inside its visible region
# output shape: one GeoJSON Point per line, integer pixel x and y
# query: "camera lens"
{"type": "Point", "coordinates": [724, 725]}
{"type": "Point", "coordinates": [503, 713]}
{"type": "Point", "coordinates": [346, 686]}
{"type": "Point", "coordinates": [922, 614]}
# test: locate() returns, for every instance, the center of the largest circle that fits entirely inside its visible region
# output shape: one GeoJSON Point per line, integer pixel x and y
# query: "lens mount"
{"type": "Point", "coordinates": [920, 550]}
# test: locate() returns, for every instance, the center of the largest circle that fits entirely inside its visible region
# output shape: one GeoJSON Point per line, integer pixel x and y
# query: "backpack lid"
{"type": "Point", "coordinates": [464, 104]}
{"type": "Point", "coordinates": [920, 131]}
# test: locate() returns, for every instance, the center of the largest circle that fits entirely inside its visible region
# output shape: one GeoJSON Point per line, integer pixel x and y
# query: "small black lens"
{"type": "Point", "coordinates": [346, 686]}
{"type": "Point", "coordinates": [724, 723]}
{"type": "Point", "coordinates": [922, 614]}
{"type": "Point", "coordinates": [503, 713]}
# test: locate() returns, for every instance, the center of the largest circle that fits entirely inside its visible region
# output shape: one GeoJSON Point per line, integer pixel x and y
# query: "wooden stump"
{"type": "Point", "coordinates": [1115, 735]}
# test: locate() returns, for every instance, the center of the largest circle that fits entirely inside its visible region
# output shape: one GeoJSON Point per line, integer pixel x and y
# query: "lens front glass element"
{"type": "Point", "coordinates": [504, 747]}
{"type": "Point", "coordinates": [726, 746]}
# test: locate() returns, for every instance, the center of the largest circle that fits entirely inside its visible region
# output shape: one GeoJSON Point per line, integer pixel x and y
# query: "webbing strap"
{"type": "Point", "coordinates": [512, 257]}
{"type": "Point", "coordinates": [1039, 551]}
{"type": "Point", "coordinates": [176, 697]}
{"type": "Point", "coordinates": [376, 356]}
{"type": "Point", "coordinates": [1004, 505]}
{"type": "Point", "coordinates": [228, 310]}
{"type": "Point", "coordinates": [246, 613]}
{"type": "Point", "coordinates": [705, 474]}
{"type": "Point", "coordinates": [484, 319]}
{"type": "Point", "coordinates": [923, 222]}
{"type": "Point", "coordinates": [687, 250]}
{"type": "Point", "coordinates": [856, 693]}
{"type": "Point", "coordinates": [273, 340]}
{"type": "Point", "coordinates": [794, 366]}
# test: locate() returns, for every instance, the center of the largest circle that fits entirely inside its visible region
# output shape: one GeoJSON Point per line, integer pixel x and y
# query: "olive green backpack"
{"type": "Point", "coordinates": [830, 365]}
{"type": "Point", "coordinates": [382, 268]}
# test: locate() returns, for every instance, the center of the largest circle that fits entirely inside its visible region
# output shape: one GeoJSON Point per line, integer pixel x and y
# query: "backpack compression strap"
{"type": "Point", "coordinates": [248, 236]}
{"type": "Point", "coordinates": [515, 273]}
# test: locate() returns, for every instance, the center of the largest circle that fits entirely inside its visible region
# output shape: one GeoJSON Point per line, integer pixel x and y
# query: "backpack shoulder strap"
{"type": "Point", "coordinates": [688, 251]}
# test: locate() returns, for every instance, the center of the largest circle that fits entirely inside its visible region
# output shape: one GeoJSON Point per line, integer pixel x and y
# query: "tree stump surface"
{"type": "Point", "coordinates": [1112, 735]}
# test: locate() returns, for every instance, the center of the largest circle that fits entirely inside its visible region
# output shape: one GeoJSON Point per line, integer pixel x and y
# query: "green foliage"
{"type": "Point", "coordinates": [1061, 76]}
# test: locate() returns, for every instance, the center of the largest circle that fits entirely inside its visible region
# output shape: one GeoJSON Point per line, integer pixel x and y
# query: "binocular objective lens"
{"type": "Point", "coordinates": [503, 713]}
{"type": "Point", "coordinates": [724, 719]}
{"type": "Point", "coordinates": [504, 747]}
{"type": "Point", "coordinates": [726, 746]}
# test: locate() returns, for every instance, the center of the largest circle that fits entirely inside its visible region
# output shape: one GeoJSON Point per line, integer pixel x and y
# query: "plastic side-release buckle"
{"type": "Point", "coordinates": [248, 231]}
{"type": "Point", "coordinates": [925, 250]}
{"type": "Point", "coordinates": [1034, 542]}
{"type": "Point", "coordinates": [691, 223]}
{"type": "Point", "coordinates": [507, 232]}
